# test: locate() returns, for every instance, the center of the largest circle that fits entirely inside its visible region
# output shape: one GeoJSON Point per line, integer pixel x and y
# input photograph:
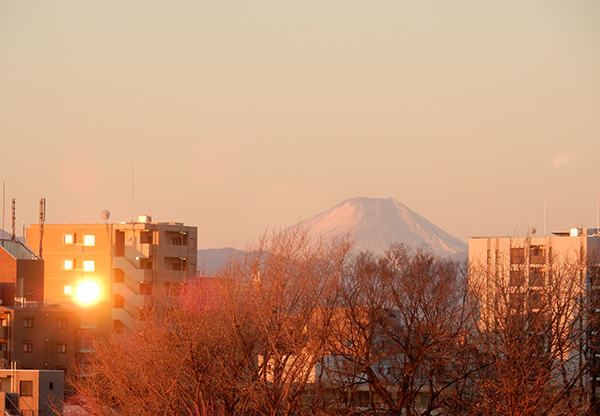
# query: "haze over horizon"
{"type": "Point", "coordinates": [240, 116]}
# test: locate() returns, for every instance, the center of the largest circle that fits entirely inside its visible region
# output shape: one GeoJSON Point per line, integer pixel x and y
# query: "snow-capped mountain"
{"type": "Point", "coordinates": [375, 223]}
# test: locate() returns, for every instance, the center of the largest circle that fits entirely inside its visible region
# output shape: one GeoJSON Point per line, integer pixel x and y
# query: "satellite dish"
{"type": "Point", "coordinates": [532, 230]}
{"type": "Point", "coordinates": [105, 215]}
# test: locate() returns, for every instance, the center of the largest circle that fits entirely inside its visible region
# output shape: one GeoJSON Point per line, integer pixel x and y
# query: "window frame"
{"type": "Point", "coordinates": [69, 264]}
{"type": "Point", "coordinates": [26, 388]}
{"type": "Point", "coordinates": [89, 266]}
{"type": "Point", "coordinates": [68, 239]}
{"type": "Point", "coordinates": [89, 240]}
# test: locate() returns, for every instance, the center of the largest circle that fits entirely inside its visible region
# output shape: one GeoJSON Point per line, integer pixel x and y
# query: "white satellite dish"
{"type": "Point", "coordinates": [105, 215]}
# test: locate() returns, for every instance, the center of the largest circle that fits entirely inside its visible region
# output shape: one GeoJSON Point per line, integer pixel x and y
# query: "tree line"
{"type": "Point", "coordinates": [299, 327]}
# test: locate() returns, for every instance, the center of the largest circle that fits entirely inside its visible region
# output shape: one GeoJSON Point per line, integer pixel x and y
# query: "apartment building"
{"type": "Point", "coordinates": [524, 264]}
{"type": "Point", "coordinates": [38, 337]}
{"type": "Point", "coordinates": [32, 392]}
{"type": "Point", "coordinates": [113, 270]}
{"type": "Point", "coordinates": [21, 274]}
{"type": "Point", "coordinates": [555, 275]}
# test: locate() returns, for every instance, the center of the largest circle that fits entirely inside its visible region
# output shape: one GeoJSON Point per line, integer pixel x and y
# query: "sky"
{"type": "Point", "coordinates": [242, 117]}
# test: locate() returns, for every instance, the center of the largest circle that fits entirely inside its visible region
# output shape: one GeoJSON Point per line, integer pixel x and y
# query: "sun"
{"type": "Point", "coordinates": [87, 292]}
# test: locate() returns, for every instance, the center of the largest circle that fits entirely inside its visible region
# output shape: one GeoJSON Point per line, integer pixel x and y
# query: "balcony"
{"type": "Point", "coordinates": [131, 296]}
{"type": "Point", "coordinates": [131, 270]}
{"type": "Point", "coordinates": [123, 316]}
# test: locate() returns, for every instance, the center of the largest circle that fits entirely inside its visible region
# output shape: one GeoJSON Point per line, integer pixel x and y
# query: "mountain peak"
{"type": "Point", "coordinates": [375, 223]}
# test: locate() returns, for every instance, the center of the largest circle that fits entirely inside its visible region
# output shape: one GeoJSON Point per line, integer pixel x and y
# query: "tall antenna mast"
{"type": "Point", "coordinates": [42, 219]}
{"type": "Point", "coordinates": [3, 205]}
{"type": "Point", "coordinates": [132, 176]}
{"type": "Point", "coordinates": [13, 218]}
{"type": "Point", "coordinates": [545, 215]}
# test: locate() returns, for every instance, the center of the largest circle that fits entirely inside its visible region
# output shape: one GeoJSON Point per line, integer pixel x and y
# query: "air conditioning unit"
{"type": "Point", "coordinates": [145, 218]}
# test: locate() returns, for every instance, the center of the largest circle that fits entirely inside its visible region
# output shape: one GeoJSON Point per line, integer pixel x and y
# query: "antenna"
{"type": "Point", "coordinates": [132, 177]}
{"type": "Point", "coordinates": [3, 205]}
{"type": "Point", "coordinates": [42, 219]}
{"type": "Point", "coordinates": [598, 213]}
{"type": "Point", "coordinates": [545, 215]}
{"type": "Point", "coordinates": [13, 218]}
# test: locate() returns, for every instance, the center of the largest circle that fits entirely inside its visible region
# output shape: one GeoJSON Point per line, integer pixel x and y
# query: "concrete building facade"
{"type": "Point", "coordinates": [125, 264]}
{"type": "Point", "coordinates": [38, 337]}
{"type": "Point", "coordinates": [21, 274]}
{"type": "Point", "coordinates": [524, 269]}
{"type": "Point", "coordinates": [32, 392]}
{"type": "Point", "coordinates": [524, 264]}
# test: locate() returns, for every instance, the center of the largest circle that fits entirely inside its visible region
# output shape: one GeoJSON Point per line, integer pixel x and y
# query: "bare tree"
{"type": "Point", "coordinates": [403, 347]}
{"type": "Point", "coordinates": [245, 343]}
{"type": "Point", "coordinates": [532, 329]}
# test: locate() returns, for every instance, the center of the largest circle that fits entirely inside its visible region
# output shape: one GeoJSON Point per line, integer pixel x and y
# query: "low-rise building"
{"type": "Point", "coordinates": [32, 392]}
{"type": "Point", "coordinates": [38, 337]}
{"type": "Point", "coordinates": [21, 273]}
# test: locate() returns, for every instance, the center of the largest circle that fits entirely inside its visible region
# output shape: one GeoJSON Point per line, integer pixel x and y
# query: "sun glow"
{"type": "Point", "coordinates": [88, 292]}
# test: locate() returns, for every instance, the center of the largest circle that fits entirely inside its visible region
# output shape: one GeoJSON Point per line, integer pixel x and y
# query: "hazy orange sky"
{"type": "Point", "coordinates": [243, 115]}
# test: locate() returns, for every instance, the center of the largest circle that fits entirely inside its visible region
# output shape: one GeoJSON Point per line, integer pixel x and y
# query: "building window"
{"type": "Point", "coordinates": [89, 240]}
{"type": "Point", "coordinates": [26, 388]}
{"type": "Point", "coordinates": [146, 264]}
{"type": "Point", "coordinates": [62, 323]}
{"type": "Point", "coordinates": [68, 239]}
{"type": "Point", "coordinates": [146, 237]}
{"type": "Point", "coordinates": [51, 385]}
{"type": "Point", "coordinates": [28, 347]}
{"type": "Point", "coordinates": [517, 278]}
{"type": "Point", "coordinates": [517, 256]}
{"type": "Point", "coordinates": [362, 398]}
{"type": "Point", "coordinates": [516, 301]}
{"type": "Point", "coordinates": [67, 290]}
{"type": "Point", "coordinates": [62, 348]}
{"type": "Point", "coordinates": [3, 322]}
{"type": "Point", "coordinates": [536, 277]}
{"type": "Point", "coordinates": [27, 322]}
{"type": "Point", "coordinates": [536, 300]}
{"type": "Point", "coordinates": [89, 266]}
{"type": "Point", "coordinates": [69, 264]}
{"type": "Point", "coordinates": [145, 289]}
